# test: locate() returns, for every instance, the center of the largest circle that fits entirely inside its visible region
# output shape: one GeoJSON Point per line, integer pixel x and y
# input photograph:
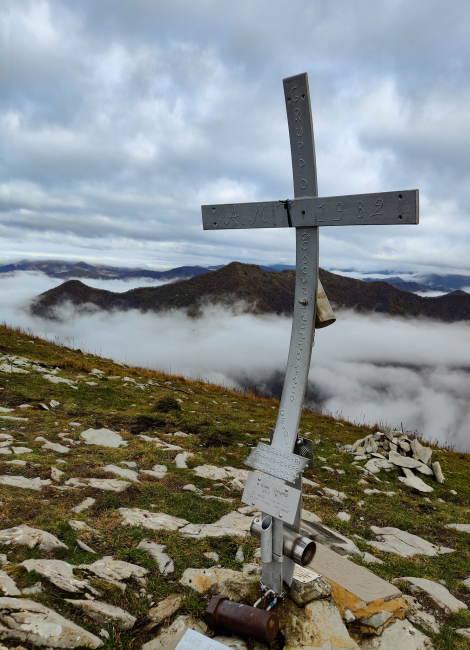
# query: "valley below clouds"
{"type": "Point", "coordinates": [374, 368]}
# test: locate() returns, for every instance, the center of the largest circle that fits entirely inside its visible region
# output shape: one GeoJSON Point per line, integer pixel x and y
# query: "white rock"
{"type": "Point", "coordinates": [343, 516]}
{"type": "Point", "coordinates": [5, 410]}
{"type": "Point", "coordinates": [85, 547]}
{"type": "Point", "coordinates": [23, 482]}
{"type": "Point", "coordinates": [121, 471]}
{"type": "Point", "coordinates": [212, 556]}
{"type": "Point", "coordinates": [21, 450]}
{"type": "Point", "coordinates": [103, 438]}
{"type": "Point", "coordinates": [3, 559]}
{"type": "Point", "coordinates": [438, 593]}
{"type": "Point", "coordinates": [418, 616]}
{"type": "Point", "coordinates": [168, 638]}
{"type": "Point", "coordinates": [165, 563]}
{"type": "Point", "coordinates": [239, 555]}
{"type": "Point", "coordinates": [55, 446]}
{"type": "Point", "coordinates": [372, 467]}
{"type": "Point", "coordinates": [463, 528]}
{"type": "Point", "coordinates": [58, 572]}
{"type": "Point", "coordinates": [108, 484]}
{"type": "Point", "coordinates": [31, 537]}
{"type": "Point", "coordinates": [403, 461]}
{"type": "Point", "coordinates": [399, 635]}
{"type": "Point", "coordinates": [416, 484]}
{"type": "Point", "coordinates": [12, 417]}
{"type": "Point", "coordinates": [56, 474]}
{"type": "Point", "coordinates": [436, 468]}
{"type": "Point", "coordinates": [16, 462]}
{"type": "Point", "coordinates": [309, 517]}
{"type": "Point", "coordinates": [84, 505]}
{"type": "Point", "coordinates": [54, 403]}
{"type": "Point", "coordinates": [78, 526]}
{"type": "Point", "coordinates": [371, 559]}
{"type": "Point", "coordinates": [421, 453]}
{"type": "Point", "coordinates": [211, 472]}
{"type": "Point", "coordinates": [105, 614]}
{"type": "Point", "coordinates": [28, 621]}
{"type": "Point", "coordinates": [394, 540]}
{"type": "Point", "coordinates": [5, 451]}
{"type": "Point", "coordinates": [114, 571]}
{"type": "Point", "coordinates": [157, 471]}
{"type": "Point", "coordinates": [233, 524]}
{"type": "Point", "coordinates": [150, 520]}
{"type": "Point", "coordinates": [318, 626]}
{"type": "Point", "coordinates": [181, 459]}
{"type": "Point", "coordinates": [8, 585]}
{"type": "Point", "coordinates": [464, 632]}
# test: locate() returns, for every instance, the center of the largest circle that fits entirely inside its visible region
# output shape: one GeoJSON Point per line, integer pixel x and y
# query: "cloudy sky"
{"type": "Point", "coordinates": [122, 118]}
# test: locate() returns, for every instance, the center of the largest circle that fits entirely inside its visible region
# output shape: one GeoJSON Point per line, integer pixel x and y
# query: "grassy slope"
{"type": "Point", "coordinates": [219, 420]}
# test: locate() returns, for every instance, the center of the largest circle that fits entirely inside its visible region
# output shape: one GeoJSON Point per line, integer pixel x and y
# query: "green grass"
{"type": "Point", "coordinates": [219, 434]}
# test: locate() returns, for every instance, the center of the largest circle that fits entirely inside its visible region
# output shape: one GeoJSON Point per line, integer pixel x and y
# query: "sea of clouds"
{"type": "Point", "coordinates": [413, 373]}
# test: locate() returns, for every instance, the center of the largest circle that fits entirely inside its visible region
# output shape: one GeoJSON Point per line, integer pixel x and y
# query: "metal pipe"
{"type": "Point", "coordinates": [266, 539]}
{"type": "Point", "coordinates": [244, 620]}
{"type": "Point", "coordinates": [295, 546]}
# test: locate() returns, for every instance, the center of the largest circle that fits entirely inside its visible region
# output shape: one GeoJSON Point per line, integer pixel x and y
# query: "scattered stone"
{"type": "Point", "coordinates": [59, 380]}
{"type": "Point", "coordinates": [54, 403]}
{"type": "Point", "coordinates": [239, 586]}
{"type": "Point", "coordinates": [210, 555]}
{"type": "Point", "coordinates": [31, 537]}
{"type": "Point", "coordinates": [192, 488]}
{"type": "Point", "coordinates": [394, 540]}
{"type": "Point", "coordinates": [3, 559]}
{"type": "Point", "coordinates": [60, 573]}
{"type": "Point", "coordinates": [150, 520]}
{"type": "Point", "coordinates": [421, 453]}
{"type": "Point", "coordinates": [438, 593]}
{"type": "Point", "coordinates": [55, 446]}
{"type": "Point", "coordinates": [463, 528]}
{"type": "Point", "coordinates": [114, 571]}
{"type": "Point", "coordinates": [169, 638]}
{"type": "Point", "coordinates": [8, 585]}
{"type": "Point", "coordinates": [56, 474]}
{"type": "Point", "coordinates": [436, 468]}
{"type": "Point", "coordinates": [85, 547]}
{"type": "Point", "coordinates": [400, 635]}
{"type": "Point", "coordinates": [416, 484]}
{"type": "Point", "coordinates": [310, 517]}
{"type": "Point", "coordinates": [129, 463]}
{"type": "Point", "coordinates": [37, 588]}
{"type": "Point", "coordinates": [108, 484]}
{"type": "Point", "coordinates": [21, 450]}
{"type": "Point", "coordinates": [181, 459]}
{"type": "Point", "coordinates": [211, 472]}
{"type": "Point", "coordinates": [464, 632]}
{"type": "Point", "coordinates": [84, 505]}
{"type": "Point", "coordinates": [239, 555]}
{"type": "Point", "coordinates": [16, 462]}
{"type": "Point", "coordinates": [343, 516]}
{"type": "Point", "coordinates": [165, 563]}
{"type": "Point", "coordinates": [79, 526]}
{"type": "Point", "coordinates": [103, 438]}
{"type": "Point", "coordinates": [416, 615]}
{"type": "Point", "coordinates": [157, 471]}
{"type": "Point", "coordinates": [233, 524]}
{"type": "Point", "coordinates": [28, 621]}
{"type": "Point", "coordinates": [105, 614]}
{"type": "Point", "coordinates": [120, 471]}
{"type": "Point", "coordinates": [163, 610]}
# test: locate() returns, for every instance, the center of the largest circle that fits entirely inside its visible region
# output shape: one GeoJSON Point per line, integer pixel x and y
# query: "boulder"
{"type": "Point", "coordinates": [399, 636]}
{"type": "Point", "coordinates": [105, 614]}
{"type": "Point", "coordinates": [84, 505]}
{"type": "Point", "coordinates": [436, 592]}
{"type": "Point", "coordinates": [30, 537]}
{"type": "Point", "coordinates": [31, 622]}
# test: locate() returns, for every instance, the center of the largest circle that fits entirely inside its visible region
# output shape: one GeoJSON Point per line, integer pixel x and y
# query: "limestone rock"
{"type": "Point", "coordinates": [107, 484]}
{"type": "Point", "coordinates": [105, 614]}
{"type": "Point", "coordinates": [374, 624]}
{"type": "Point", "coordinates": [400, 635]}
{"type": "Point", "coordinates": [114, 571]}
{"type": "Point", "coordinates": [21, 450]}
{"type": "Point", "coordinates": [79, 526]}
{"type": "Point", "coordinates": [211, 472]}
{"type": "Point", "coordinates": [181, 459]}
{"type": "Point", "coordinates": [416, 483]}
{"type": "Point", "coordinates": [463, 528]}
{"type": "Point", "coordinates": [56, 447]}
{"type": "Point", "coordinates": [157, 471]}
{"type": "Point", "coordinates": [103, 438]}
{"type": "Point", "coordinates": [318, 626]}
{"type": "Point", "coordinates": [58, 572]}
{"type": "Point", "coordinates": [56, 474]}
{"type": "Point", "coordinates": [212, 556]}
{"type": "Point", "coordinates": [234, 524]}
{"type": "Point", "coordinates": [163, 610]}
{"type": "Point", "coordinates": [438, 593]}
{"type": "Point", "coordinates": [416, 615]}
{"type": "Point", "coordinates": [403, 461]}
{"type": "Point", "coordinates": [464, 632]}
{"type": "Point", "coordinates": [23, 482]}
{"type": "Point", "coordinates": [150, 520]}
{"type": "Point", "coordinates": [169, 638]}
{"type": "Point", "coordinates": [236, 585]}
{"type": "Point", "coordinates": [165, 563]}
{"type": "Point", "coordinates": [394, 540]}
{"type": "Point", "coordinates": [307, 585]}
{"type": "Point", "coordinates": [84, 505]}
{"type": "Point", "coordinates": [28, 621]}
{"type": "Point", "coordinates": [121, 471]}
{"type": "Point", "coordinates": [85, 547]}
{"type": "Point", "coordinates": [8, 585]}
{"type": "Point", "coordinates": [436, 468]}
{"type": "Point", "coordinates": [421, 453]}
{"type": "Point", "coordinates": [310, 517]}
{"type": "Point", "coordinates": [30, 537]}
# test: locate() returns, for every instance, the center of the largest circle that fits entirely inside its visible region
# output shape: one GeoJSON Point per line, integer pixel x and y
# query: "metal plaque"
{"type": "Point", "coordinates": [271, 497]}
{"type": "Point", "coordinates": [377, 209]}
{"type": "Point", "coordinates": [276, 462]}
{"type": "Point", "coordinates": [193, 640]}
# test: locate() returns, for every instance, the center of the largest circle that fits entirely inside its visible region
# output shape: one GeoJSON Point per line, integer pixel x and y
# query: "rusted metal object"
{"type": "Point", "coordinates": [223, 614]}
{"type": "Point", "coordinates": [297, 547]}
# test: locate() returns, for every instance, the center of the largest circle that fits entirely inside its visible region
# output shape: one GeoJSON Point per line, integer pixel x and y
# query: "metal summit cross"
{"type": "Point", "coordinates": [277, 491]}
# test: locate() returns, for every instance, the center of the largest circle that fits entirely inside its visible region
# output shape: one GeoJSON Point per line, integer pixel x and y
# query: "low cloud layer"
{"type": "Point", "coordinates": [370, 369]}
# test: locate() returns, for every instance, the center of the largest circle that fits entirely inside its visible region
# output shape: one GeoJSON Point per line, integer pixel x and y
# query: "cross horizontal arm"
{"type": "Point", "coordinates": [377, 209]}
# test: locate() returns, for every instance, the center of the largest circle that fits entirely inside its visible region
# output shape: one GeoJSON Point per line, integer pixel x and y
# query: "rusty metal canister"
{"type": "Point", "coordinates": [224, 614]}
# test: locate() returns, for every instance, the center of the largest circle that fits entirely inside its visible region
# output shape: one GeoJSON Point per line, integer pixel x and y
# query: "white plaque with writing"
{"type": "Point", "coordinates": [276, 462]}
{"type": "Point", "coordinates": [193, 640]}
{"type": "Point", "coordinates": [304, 574]}
{"type": "Point", "coordinates": [271, 496]}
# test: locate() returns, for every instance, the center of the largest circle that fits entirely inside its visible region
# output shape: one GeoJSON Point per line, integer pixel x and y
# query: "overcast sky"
{"type": "Point", "coordinates": [123, 117]}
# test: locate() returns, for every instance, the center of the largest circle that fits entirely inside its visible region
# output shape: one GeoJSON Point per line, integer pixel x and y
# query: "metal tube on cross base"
{"type": "Point", "coordinates": [278, 490]}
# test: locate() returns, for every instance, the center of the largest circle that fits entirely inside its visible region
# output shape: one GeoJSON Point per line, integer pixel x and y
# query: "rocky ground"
{"type": "Point", "coordinates": [121, 514]}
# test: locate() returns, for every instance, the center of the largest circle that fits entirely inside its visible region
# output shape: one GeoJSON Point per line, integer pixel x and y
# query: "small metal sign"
{"type": "Point", "coordinates": [276, 462]}
{"type": "Point", "coordinates": [193, 640]}
{"type": "Point", "coordinates": [304, 574]}
{"type": "Point", "coordinates": [271, 496]}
